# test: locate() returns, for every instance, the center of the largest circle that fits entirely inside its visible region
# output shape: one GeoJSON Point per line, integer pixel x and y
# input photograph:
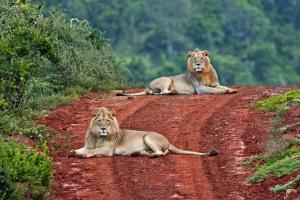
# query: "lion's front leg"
{"type": "Point", "coordinates": [102, 151]}
{"type": "Point", "coordinates": [227, 89]}
{"type": "Point", "coordinates": [81, 151]}
{"type": "Point", "coordinates": [88, 153]}
{"type": "Point", "coordinates": [209, 90]}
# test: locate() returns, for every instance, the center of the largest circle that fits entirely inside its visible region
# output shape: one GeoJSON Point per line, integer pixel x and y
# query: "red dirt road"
{"type": "Point", "coordinates": [192, 122]}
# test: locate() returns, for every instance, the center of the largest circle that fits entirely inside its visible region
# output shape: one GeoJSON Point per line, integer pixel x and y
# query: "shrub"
{"type": "Point", "coordinates": [43, 55]}
{"type": "Point", "coordinates": [3, 104]}
{"type": "Point", "coordinates": [30, 170]}
{"type": "Point", "coordinates": [6, 188]}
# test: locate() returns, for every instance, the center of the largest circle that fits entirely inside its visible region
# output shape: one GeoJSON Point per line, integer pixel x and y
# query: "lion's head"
{"type": "Point", "coordinates": [104, 123]}
{"type": "Point", "coordinates": [198, 61]}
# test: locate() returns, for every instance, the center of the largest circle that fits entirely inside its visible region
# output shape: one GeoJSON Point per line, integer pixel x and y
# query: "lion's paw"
{"type": "Point", "coordinates": [232, 91]}
{"type": "Point", "coordinates": [72, 153]}
{"type": "Point", "coordinates": [83, 156]}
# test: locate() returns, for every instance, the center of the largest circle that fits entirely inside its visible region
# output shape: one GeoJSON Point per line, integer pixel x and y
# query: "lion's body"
{"type": "Point", "coordinates": [174, 84]}
{"type": "Point", "coordinates": [126, 142]}
{"type": "Point", "coordinates": [200, 78]}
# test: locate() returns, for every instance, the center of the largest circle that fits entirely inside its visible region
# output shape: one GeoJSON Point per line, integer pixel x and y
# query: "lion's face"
{"type": "Point", "coordinates": [197, 61]}
{"type": "Point", "coordinates": [104, 123]}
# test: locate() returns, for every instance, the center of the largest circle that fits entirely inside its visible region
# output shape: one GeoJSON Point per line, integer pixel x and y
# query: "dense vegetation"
{"type": "Point", "coordinates": [25, 172]}
{"type": "Point", "coordinates": [40, 56]}
{"type": "Point", "coordinates": [251, 42]}
{"type": "Point", "coordinates": [44, 62]}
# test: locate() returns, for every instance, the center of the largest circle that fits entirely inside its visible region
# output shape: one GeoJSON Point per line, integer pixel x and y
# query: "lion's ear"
{"type": "Point", "coordinates": [112, 113]}
{"type": "Point", "coordinates": [205, 53]}
{"type": "Point", "coordinates": [190, 53]}
{"type": "Point", "coordinates": [96, 113]}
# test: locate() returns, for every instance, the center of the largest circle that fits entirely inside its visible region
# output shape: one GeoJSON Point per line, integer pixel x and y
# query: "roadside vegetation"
{"type": "Point", "coordinates": [282, 155]}
{"type": "Point", "coordinates": [45, 61]}
{"type": "Point", "coordinates": [24, 171]}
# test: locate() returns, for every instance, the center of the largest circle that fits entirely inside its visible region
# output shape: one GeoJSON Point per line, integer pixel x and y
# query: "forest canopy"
{"type": "Point", "coordinates": [251, 42]}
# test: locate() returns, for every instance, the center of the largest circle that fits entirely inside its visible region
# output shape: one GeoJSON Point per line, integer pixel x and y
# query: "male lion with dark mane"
{"type": "Point", "coordinates": [200, 78]}
{"type": "Point", "coordinates": [105, 138]}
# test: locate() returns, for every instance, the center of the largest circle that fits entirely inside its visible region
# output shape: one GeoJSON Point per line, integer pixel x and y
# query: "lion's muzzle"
{"type": "Point", "coordinates": [198, 67]}
{"type": "Point", "coordinates": [103, 132]}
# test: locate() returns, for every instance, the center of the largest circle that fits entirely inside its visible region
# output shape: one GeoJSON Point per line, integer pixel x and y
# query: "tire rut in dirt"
{"type": "Point", "coordinates": [235, 129]}
{"type": "Point", "coordinates": [174, 176]}
{"type": "Point", "coordinates": [91, 178]}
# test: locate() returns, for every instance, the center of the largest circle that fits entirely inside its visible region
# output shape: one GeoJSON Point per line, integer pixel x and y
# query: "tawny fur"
{"type": "Point", "coordinates": [200, 78]}
{"type": "Point", "coordinates": [105, 138]}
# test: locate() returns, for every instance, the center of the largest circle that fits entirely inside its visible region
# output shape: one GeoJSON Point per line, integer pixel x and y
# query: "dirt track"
{"type": "Point", "coordinates": [199, 123]}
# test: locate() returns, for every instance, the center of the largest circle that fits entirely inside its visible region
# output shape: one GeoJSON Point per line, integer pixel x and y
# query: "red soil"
{"type": "Point", "coordinates": [192, 122]}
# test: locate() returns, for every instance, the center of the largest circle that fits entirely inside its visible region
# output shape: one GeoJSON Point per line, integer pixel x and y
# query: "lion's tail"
{"type": "Point", "coordinates": [174, 149]}
{"type": "Point", "coordinates": [145, 92]}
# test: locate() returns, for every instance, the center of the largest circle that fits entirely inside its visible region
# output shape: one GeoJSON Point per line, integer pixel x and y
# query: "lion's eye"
{"type": "Point", "coordinates": [202, 58]}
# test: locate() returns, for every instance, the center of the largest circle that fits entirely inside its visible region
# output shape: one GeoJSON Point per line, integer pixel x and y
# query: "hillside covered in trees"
{"type": "Point", "coordinates": [251, 42]}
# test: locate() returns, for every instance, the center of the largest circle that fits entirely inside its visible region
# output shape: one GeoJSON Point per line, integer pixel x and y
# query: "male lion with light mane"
{"type": "Point", "coordinates": [200, 78]}
{"type": "Point", "coordinates": [105, 138]}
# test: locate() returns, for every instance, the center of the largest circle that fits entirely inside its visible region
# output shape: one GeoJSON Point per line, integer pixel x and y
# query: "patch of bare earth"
{"type": "Point", "coordinates": [192, 122]}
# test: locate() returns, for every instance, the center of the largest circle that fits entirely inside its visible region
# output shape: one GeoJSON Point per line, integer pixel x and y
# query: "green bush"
{"type": "Point", "coordinates": [40, 56]}
{"type": "Point", "coordinates": [6, 188]}
{"type": "Point", "coordinates": [29, 169]}
{"type": "Point", "coordinates": [3, 104]}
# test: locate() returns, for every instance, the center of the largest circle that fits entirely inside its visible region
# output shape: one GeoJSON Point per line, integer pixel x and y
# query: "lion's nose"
{"type": "Point", "coordinates": [103, 129]}
{"type": "Point", "coordinates": [198, 65]}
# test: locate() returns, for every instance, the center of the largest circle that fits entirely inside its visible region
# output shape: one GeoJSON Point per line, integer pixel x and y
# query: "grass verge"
{"type": "Point", "coordinates": [273, 103]}
{"type": "Point", "coordinates": [282, 156]}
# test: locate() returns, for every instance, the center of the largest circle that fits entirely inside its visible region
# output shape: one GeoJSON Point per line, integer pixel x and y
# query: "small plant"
{"type": "Point", "coordinates": [289, 185]}
{"type": "Point", "coordinates": [281, 163]}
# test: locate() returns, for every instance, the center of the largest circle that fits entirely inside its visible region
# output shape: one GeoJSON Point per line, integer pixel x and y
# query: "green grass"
{"type": "Point", "coordinates": [279, 164]}
{"type": "Point", "coordinates": [29, 171]}
{"type": "Point", "coordinates": [20, 122]}
{"type": "Point", "coordinates": [273, 103]}
{"type": "Point", "coordinates": [45, 103]}
{"type": "Point", "coordinates": [282, 156]}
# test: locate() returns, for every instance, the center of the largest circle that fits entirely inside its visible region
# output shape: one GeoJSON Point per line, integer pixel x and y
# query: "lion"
{"type": "Point", "coordinates": [200, 78]}
{"type": "Point", "coordinates": [105, 138]}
